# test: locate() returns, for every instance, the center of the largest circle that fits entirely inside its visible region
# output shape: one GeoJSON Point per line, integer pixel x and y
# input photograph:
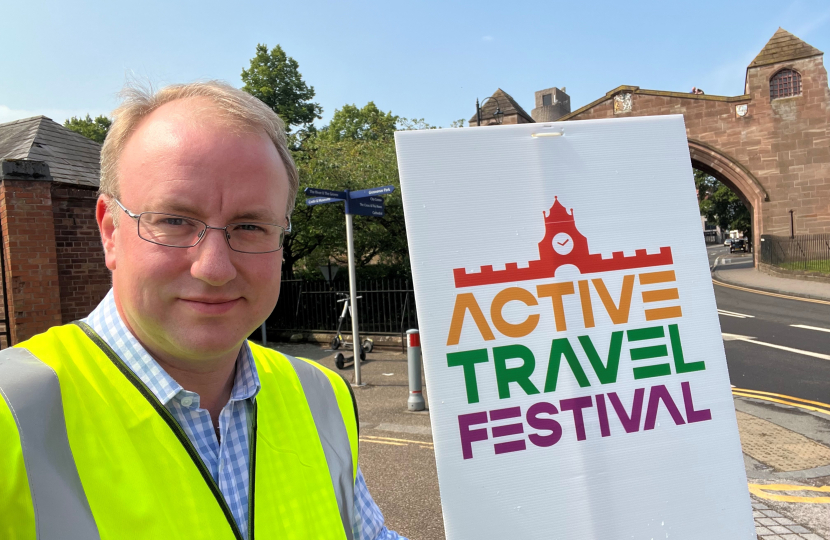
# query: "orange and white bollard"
{"type": "Point", "coordinates": [413, 360]}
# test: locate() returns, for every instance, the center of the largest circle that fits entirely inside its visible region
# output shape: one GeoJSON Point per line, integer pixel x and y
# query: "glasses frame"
{"type": "Point", "coordinates": [227, 235]}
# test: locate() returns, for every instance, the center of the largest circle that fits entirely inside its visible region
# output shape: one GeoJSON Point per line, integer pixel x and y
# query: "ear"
{"type": "Point", "coordinates": [108, 230]}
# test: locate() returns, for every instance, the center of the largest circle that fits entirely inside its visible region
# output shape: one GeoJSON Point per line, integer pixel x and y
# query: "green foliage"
{"type": "Point", "coordinates": [91, 129]}
{"type": "Point", "coordinates": [406, 124]}
{"type": "Point", "coordinates": [355, 151]}
{"type": "Point", "coordinates": [320, 231]}
{"type": "Point", "coordinates": [275, 79]}
{"type": "Point", "coordinates": [368, 123]}
{"type": "Point", "coordinates": [458, 123]}
{"type": "Point", "coordinates": [721, 205]}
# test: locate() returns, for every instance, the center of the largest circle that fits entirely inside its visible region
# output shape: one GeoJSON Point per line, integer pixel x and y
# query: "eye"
{"type": "Point", "coordinates": [249, 227]}
{"type": "Point", "coordinates": [173, 221]}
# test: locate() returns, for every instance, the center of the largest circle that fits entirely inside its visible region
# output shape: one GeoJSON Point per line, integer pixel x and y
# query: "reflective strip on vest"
{"type": "Point", "coordinates": [33, 394]}
{"type": "Point", "coordinates": [332, 432]}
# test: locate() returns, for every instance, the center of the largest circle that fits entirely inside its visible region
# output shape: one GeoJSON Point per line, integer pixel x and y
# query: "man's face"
{"type": "Point", "coordinates": [195, 304]}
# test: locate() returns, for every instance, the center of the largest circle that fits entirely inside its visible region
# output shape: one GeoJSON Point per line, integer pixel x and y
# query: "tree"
{"type": "Point", "coordinates": [721, 205]}
{"type": "Point", "coordinates": [368, 123]}
{"type": "Point", "coordinates": [320, 230]}
{"type": "Point", "coordinates": [91, 129]}
{"type": "Point", "coordinates": [274, 78]}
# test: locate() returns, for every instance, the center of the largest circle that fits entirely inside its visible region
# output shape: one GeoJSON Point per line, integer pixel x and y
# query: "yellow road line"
{"type": "Point", "coordinates": [397, 440]}
{"type": "Point", "coordinates": [756, 291]}
{"type": "Point", "coordinates": [382, 442]}
{"type": "Point", "coordinates": [820, 404]}
{"type": "Point", "coordinates": [784, 402]}
{"type": "Point", "coordinates": [761, 490]}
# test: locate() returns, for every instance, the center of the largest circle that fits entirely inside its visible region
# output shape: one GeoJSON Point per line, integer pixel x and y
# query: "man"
{"type": "Point", "coordinates": [154, 418]}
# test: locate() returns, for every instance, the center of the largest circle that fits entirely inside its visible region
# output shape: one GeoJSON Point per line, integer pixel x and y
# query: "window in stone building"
{"type": "Point", "coordinates": [546, 100]}
{"type": "Point", "coordinates": [785, 83]}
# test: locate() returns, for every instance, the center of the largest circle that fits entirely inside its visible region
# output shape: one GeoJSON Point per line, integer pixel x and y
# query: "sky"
{"type": "Point", "coordinates": [425, 59]}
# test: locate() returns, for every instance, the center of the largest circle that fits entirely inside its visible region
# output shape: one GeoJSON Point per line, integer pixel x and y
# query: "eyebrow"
{"type": "Point", "coordinates": [250, 215]}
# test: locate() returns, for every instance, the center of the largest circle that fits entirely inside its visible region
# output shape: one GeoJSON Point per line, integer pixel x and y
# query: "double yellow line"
{"type": "Point", "coordinates": [763, 491]}
{"type": "Point", "coordinates": [815, 406]}
{"type": "Point", "coordinates": [395, 442]}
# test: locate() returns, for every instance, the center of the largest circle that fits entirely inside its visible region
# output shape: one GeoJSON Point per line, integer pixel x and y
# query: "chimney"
{"type": "Point", "coordinates": [551, 105]}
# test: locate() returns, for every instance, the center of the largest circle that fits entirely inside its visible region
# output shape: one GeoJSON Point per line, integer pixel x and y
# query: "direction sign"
{"type": "Point", "coordinates": [324, 193]}
{"type": "Point", "coordinates": [362, 203]}
{"type": "Point", "coordinates": [366, 208]}
{"type": "Point", "coordinates": [321, 200]}
{"type": "Point", "coordinates": [360, 194]}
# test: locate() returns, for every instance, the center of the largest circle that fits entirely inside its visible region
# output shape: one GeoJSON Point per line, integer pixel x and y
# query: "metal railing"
{"type": "Point", "coordinates": [807, 252]}
{"type": "Point", "coordinates": [387, 307]}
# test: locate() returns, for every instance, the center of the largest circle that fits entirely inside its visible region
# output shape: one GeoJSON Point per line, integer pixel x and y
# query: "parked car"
{"type": "Point", "coordinates": [738, 245]}
{"type": "Point", "coordinates": [727, 242]}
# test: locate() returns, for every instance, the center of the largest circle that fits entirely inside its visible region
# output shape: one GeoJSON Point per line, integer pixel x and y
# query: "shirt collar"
{"type": "Point", "coordinates": [107, 323]}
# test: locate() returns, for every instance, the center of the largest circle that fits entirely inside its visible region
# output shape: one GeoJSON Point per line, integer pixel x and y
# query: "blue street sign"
{"type": "Point", "coordinates": [324, 193]}
{"type": "Point", "coordinates": [376, 199]}
{"type": "Point", "coordinates": [365, 208]}
{"type": "Point", "coordinates": [360, 194]}
{"type": "Point", "coordinates": [321, 200]}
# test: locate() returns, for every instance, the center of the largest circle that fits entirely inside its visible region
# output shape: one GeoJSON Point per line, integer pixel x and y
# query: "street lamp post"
{"type": "Point", "coordinates": [498, 114]}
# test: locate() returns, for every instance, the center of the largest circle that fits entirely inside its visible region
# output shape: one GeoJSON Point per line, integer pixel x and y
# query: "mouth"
{"type": "Point", "coordinates": [211, 306]}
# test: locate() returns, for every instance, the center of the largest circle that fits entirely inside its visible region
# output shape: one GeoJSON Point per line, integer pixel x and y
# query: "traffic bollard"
{"type": "Point", "coordinates": [413, 360]}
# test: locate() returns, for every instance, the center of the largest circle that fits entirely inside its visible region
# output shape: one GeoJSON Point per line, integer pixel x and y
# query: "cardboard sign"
{"type": "Point", "coordinates": [576, 373]}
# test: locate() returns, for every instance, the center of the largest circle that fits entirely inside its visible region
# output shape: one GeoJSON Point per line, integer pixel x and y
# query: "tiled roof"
{"type": "Point", "coordinates": [783, 47]}
{"type": "Point", "coordinates": [72, 158]}
{"type": "Point", "coordinates": [507, 105]}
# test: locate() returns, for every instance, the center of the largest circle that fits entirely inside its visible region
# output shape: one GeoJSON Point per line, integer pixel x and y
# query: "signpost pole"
{"type": "Point", "coordinates": [357, 347]}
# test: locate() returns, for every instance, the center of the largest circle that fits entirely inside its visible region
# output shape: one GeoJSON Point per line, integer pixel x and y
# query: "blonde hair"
{"type": "Point", "coordinates": [232, 103]}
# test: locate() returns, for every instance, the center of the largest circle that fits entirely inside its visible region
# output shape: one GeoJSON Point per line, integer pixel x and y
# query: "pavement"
{"type": "Point", "coordinates": [777, 339]}
{"type": "Point", "coordinates": [738, 269]}
{"type": "Point", "coordinates": [782, 404]}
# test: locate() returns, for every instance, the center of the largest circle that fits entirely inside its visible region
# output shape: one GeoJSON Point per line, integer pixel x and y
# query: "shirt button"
{"type": "Point", "coordinates": [187, 401]}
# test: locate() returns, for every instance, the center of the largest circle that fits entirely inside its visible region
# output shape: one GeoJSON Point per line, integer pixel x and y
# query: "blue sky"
{"type": "Point", "coordinates": [427, 59]}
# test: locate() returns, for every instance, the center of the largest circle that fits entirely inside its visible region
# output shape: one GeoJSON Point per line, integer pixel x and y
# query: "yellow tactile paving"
{"type": "Point", "coordinates": [778, 447]}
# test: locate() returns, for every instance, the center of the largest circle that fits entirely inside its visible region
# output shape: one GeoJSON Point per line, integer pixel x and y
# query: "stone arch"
{"type": "Point", "coordinates": [736, 177]}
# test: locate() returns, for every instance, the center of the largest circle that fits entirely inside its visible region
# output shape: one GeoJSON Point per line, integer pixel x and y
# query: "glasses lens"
{"type": "Point", "coordinates": [170, 229]}
{"type": "Point", "coordinates": [255, 237]}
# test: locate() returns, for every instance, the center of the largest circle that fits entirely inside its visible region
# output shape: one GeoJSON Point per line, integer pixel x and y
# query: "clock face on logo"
{"type": "Point", "coordinates": [562, 243]}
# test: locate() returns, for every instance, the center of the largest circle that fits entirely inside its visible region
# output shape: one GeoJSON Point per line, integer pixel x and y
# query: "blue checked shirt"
{"type": "Point", "coordinates": [227, 461]}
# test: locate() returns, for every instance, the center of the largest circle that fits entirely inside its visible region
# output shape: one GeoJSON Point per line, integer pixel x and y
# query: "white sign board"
{"type": "Point", "coordinates": [577, 379]}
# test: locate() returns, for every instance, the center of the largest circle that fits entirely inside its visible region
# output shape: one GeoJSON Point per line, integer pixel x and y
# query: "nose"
{"type": "Point", "coordinates": [212, 263]}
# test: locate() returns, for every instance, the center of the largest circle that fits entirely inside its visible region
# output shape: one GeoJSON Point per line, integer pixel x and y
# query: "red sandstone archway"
{"type": "Point", "coordinates": [736, 177]}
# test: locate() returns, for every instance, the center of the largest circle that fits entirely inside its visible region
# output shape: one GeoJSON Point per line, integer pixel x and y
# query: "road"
{"type": "Point", "coordinates": [770, 320]}
{"type": "Point", "coordinates": [396, 447]}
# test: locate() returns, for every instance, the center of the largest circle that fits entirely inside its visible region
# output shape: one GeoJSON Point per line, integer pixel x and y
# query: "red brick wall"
{"type": "Point", "coordinates": [83, 275]}
{"type": "Point", "coordinates": [31, 261]}
{"type": "Point", "coordinates": [784, 144]}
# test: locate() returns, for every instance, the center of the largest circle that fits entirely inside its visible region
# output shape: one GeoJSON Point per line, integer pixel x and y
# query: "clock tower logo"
{"type": "Point", "coordinates": [563, 244]}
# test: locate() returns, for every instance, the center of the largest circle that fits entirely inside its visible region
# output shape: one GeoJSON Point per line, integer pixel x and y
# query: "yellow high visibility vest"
{"type": "Point", "coordinates": [86, 450]}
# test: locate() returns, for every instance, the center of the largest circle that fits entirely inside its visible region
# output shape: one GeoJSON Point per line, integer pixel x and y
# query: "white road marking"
{"type": "Point", "coordinates": [748, 339]}
{"type": "Point", "coordinates": [810, 327]}
{"type": "Point", "coordinates": [733, 314]}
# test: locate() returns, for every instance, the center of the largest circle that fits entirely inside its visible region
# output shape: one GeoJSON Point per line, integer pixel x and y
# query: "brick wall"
{"type": "Point", "coordinates": [31, 260]}
{"type": "Point", "coordinates": [777, 156]}
{"type": "Point", "coordinates": [83, 275]}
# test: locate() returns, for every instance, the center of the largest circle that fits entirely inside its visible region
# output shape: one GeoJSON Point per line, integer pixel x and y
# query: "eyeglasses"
{"type": "Point", "coordinates": [183, 232]}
